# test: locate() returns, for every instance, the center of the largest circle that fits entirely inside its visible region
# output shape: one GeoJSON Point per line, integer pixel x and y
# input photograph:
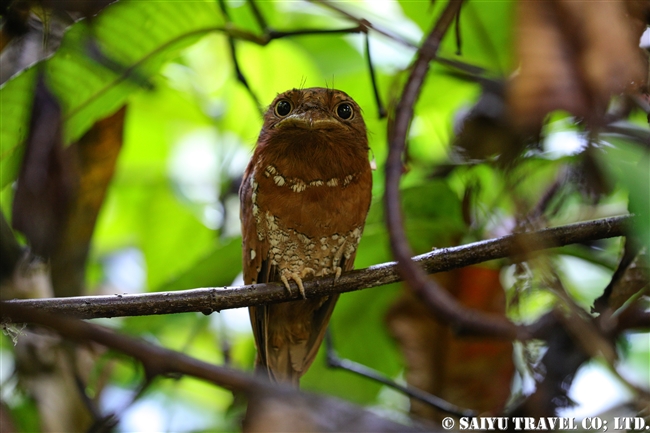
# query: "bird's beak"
{"type": "Point", "coordinates": [311, 119]}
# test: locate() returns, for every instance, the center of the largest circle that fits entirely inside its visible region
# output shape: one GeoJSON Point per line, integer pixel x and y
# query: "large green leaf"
{"type": "Point", "coordinates": [629, 164]}
{"type": "Point", "coordinates": [15, 109]}
{"type": "Point", "coordinates": [134, 37]}
{"type": "Point", "coordinates": [485, 31]}
{"type": "Point", "coordinates": [218, 268]}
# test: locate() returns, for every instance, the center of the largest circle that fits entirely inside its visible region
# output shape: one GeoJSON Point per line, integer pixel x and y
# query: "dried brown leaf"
{"type": "Point", "coordinates": [60, 190]}
{"type": "Point", "coordinates": [47, 180]}
{"type": "Point", "coordinates": [95, 156]}
{"type": "Point", "coordinates": [574, 56]}
{"type": "Point", "coordinates": [464, 371]}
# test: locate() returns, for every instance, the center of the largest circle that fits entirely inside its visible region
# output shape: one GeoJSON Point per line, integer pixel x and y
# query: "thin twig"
{"type": "Point", "coordinates": [459, 40]}
{"type": "Point", "coordinates": [278, 34]}
{"type": "Point", "coordinates": [439, 301]}
{"type": "Point", "coordinates": [465, 67]}
{"type": "Point", "coordinates": [155, 360]}
{"type": "Point", "coordinates": [367, 24]}
{"type": "Point", "coordinates": [270, 34]}
{"type": "Point", "coordinates": [261, 21]}
{"type": "Point", "coordinates": [334, 361]}
{"type": "Point", "coordinates": [380, 106]}
{"type": "Point", "coordinates": [233, 55]}
{"type": "Point", "coordinates": [207, 300]}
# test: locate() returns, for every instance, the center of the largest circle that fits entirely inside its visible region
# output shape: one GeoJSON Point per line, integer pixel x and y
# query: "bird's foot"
{"type": "Point", "coordinates": [285, 281]}
{"type": "Point", "coordinates": [297, 277]}
{"type": "Point", "coordinates": [337, 273]}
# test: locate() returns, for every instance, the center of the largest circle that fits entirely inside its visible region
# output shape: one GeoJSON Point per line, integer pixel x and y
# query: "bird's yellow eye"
{"type": "Point", "coordinates": [283, 107]}
{"type": "Point", "coordinates": [345, 111]}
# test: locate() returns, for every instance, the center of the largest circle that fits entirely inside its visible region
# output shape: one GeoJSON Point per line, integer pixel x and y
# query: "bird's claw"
{"type": "Point", "coordinates": [337, 273]}
{"type": "Point", "coordinates": [298, 279]}
{"type": "Point", "coordinates": [286, 283]}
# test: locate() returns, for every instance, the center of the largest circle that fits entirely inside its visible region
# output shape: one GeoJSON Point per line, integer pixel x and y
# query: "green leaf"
{"type": "Point", "coordinates": [172, 237]}
{"type": "Point", "coordinates": [485, 30]}
{"type": "Point", "coordinates": [15, 109]}
{"type": "Point", "coordinates": [144, 208]}
{"type": "Point", "coordinates": [629, 164]}
{"type": "Point", "coordinates": [156, 33]}
{"type": "Point", "coordinates": [135, 39]}
{"type": "Point", "coordinates": [432, 219]}
{"type": "Point", "coordinates": [218, 268]}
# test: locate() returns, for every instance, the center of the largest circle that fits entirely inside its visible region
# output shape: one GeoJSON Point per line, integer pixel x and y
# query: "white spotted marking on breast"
{"type": "Point", "coordinates": [298, 186]}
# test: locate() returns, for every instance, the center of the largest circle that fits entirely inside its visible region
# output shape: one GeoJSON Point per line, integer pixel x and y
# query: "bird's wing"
{"type": "Point", "coordinates": [254, 251]}
{"type": "Point", "coordinates": [255, 258]}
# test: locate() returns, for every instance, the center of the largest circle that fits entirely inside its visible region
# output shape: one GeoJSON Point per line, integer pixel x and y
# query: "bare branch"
{"type": "Point", "coordinates": [633, 317]}
{"type": "Point", "coordinates": [158, 361]}
{"type": "Point", "coordinates": [207, 300]}
{"type": "Point", "coordinates": [439, 301]}
{"type": "Point", "coordinates": [334, 361]}
{"type": "Point", "coordinates": [366, 24]}
{"type": "Point", "coordinates": [373, 78]}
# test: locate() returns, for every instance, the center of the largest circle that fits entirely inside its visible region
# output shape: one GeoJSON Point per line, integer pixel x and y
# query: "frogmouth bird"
{"type": "Point", "coordinates": [304, 200]}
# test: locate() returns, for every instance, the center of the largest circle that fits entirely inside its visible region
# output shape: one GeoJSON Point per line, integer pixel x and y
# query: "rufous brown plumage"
{"type": "Point", "coordinates": [304, 200]}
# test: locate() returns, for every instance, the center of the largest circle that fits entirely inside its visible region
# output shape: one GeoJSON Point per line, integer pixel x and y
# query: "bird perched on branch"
{"type": "Point", "coordinates": [304, 200]}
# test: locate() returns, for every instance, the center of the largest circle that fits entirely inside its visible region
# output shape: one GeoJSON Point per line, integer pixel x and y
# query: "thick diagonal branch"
{"type": "Point", "coordinates": [158, 361]}
{"type": "Point", "coordinates": [208, 300]}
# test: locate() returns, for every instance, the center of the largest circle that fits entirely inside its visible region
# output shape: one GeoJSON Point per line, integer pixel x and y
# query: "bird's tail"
{"type": "Point", "coordinates": [287, 376]}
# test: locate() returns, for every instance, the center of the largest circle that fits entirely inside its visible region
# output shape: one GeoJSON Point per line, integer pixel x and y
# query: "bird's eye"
{"type": "Point", "coordinates": [283, 107]}
{"type": "Point", "coordinates": [344, 111]}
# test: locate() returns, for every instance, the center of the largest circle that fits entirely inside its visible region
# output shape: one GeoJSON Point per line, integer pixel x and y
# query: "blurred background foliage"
{"type": "Point", "coordinates": [170, 217]}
